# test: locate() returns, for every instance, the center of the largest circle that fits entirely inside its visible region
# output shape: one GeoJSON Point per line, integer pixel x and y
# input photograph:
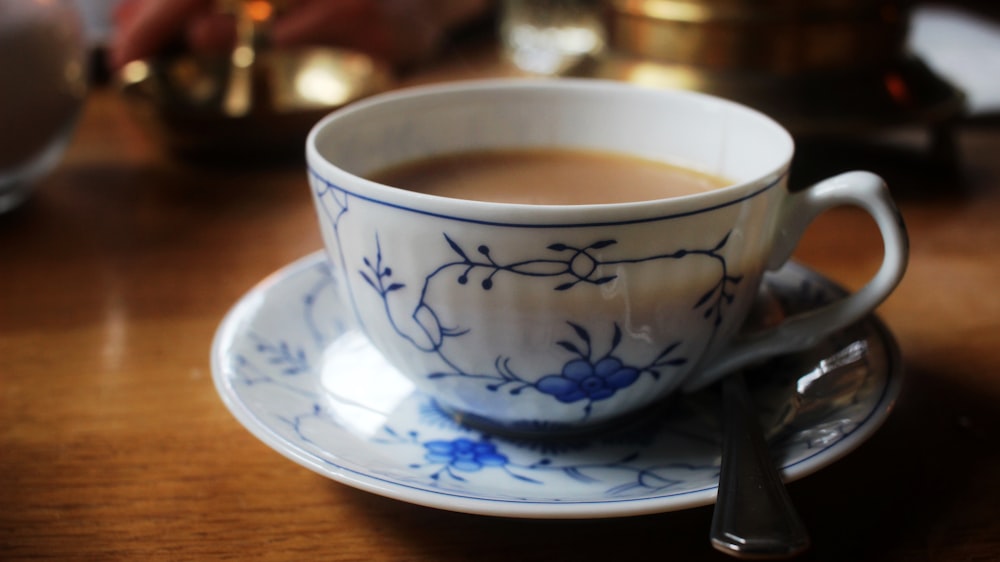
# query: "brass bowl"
{"type": "Point", "coordinates": [820, 67]}
{"type": "Point", "coordinates": [848, 102]}
{"type": "Point", "coordinates": [186, 100]}
{"type": "Point", "coordinates": [774, 36]}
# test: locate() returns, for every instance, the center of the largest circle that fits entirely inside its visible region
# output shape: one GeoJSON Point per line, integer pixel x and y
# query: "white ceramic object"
{"type": "Point", "coordinates": [543, 318]}
{"type": "Point", "coordinates": [43, 69]}
{"type": "Point", "coordinates": [293, 368]}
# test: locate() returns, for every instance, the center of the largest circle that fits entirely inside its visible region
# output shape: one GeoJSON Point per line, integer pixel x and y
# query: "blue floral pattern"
{"type": "Point", "coordinates": [582, 378]}
{"type": "Point", "coordinates": [458, 457]}
{"type": "Point", "coordinates": [589, 379]}
{"type": "Point", "coordinates": [464, 454]}
{"type": "Point", "coordinates": [266, 366]}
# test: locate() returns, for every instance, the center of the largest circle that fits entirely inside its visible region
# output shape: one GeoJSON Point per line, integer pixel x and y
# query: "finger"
{"type": "Point", "coordinates": [149, 26]}
{"type": "Point", "coordinates": [364, 25]}
{"type": "Point", "coordinates": [321, 21]}
{"type": "Point", "coordinates": [212, 33]}
{"type": "Point", "coordinates": [124, 11]}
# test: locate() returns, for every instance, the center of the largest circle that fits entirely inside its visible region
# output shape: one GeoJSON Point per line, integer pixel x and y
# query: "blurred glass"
{"type": "Point", "coordinates": [43, 64]}
{"type": "Point", "coordinates": [549, 37]}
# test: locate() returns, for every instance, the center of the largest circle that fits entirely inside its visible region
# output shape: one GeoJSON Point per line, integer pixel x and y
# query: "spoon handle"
{"type": "Point", "coordinates": [754, 516]}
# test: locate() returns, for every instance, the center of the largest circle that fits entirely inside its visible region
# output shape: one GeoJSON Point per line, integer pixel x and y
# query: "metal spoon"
{"type": "Point", "coordinates": [754, 517]}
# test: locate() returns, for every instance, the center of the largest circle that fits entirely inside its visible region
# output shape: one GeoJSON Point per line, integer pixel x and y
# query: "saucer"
{"type": "Point", "coordinates": [292, 367]}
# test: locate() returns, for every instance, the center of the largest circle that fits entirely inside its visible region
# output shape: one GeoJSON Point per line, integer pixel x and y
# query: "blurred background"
{"type": "Point", "coordinates": [143, 191]}
{"type": "Point", "coordinates": [854, 80]}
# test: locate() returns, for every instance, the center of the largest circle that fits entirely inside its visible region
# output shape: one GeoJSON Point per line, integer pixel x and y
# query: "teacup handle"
{"type": "Point", "coordinates": [804, 330]}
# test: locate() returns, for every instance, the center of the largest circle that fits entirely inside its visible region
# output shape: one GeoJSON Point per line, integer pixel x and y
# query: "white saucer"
{"type": "Point", "coordinates": [290, 365]}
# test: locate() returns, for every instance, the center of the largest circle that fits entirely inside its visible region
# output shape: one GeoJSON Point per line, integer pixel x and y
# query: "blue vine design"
{"type": "Point", "coordinates": [291, 359]}
{"type": "Point", "coordinates": [442, 453]}
{"type": "Point", "coordinates": [586, 376]}
{"type": "Point", "coordinates": [457, 458]}
{"type": "Point", "coordinates": [281, 354]}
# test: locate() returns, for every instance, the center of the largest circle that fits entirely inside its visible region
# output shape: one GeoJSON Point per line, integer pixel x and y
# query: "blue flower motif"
{"type": "Point", "coordinates": [464, 454]}
{"type": "Point", "coordinates": [588, 377]}
{"type": "Point", "coordinates": [582, 380]}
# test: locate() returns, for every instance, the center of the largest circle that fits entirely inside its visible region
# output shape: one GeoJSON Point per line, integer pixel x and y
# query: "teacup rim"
{"type": "Point", "coordinates": [556, 216]}
{"type": "Point", "coordinates": [320, 167]}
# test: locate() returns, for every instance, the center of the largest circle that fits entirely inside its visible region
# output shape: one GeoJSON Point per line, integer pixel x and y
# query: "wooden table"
{"type": "Point", "coordinates": [115, 446]}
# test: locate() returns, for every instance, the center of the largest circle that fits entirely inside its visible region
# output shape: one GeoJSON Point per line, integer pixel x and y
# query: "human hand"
{"type": "Point", "coordinates": [398, 31]}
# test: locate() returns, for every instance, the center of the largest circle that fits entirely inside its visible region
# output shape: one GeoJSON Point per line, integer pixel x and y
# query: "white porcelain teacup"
{"type": "Point", "coordinates": [547, 317]}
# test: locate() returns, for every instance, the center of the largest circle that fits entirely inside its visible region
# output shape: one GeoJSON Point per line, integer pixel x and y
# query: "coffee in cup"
{"type": "Point", "coordinates": [547, 177]}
